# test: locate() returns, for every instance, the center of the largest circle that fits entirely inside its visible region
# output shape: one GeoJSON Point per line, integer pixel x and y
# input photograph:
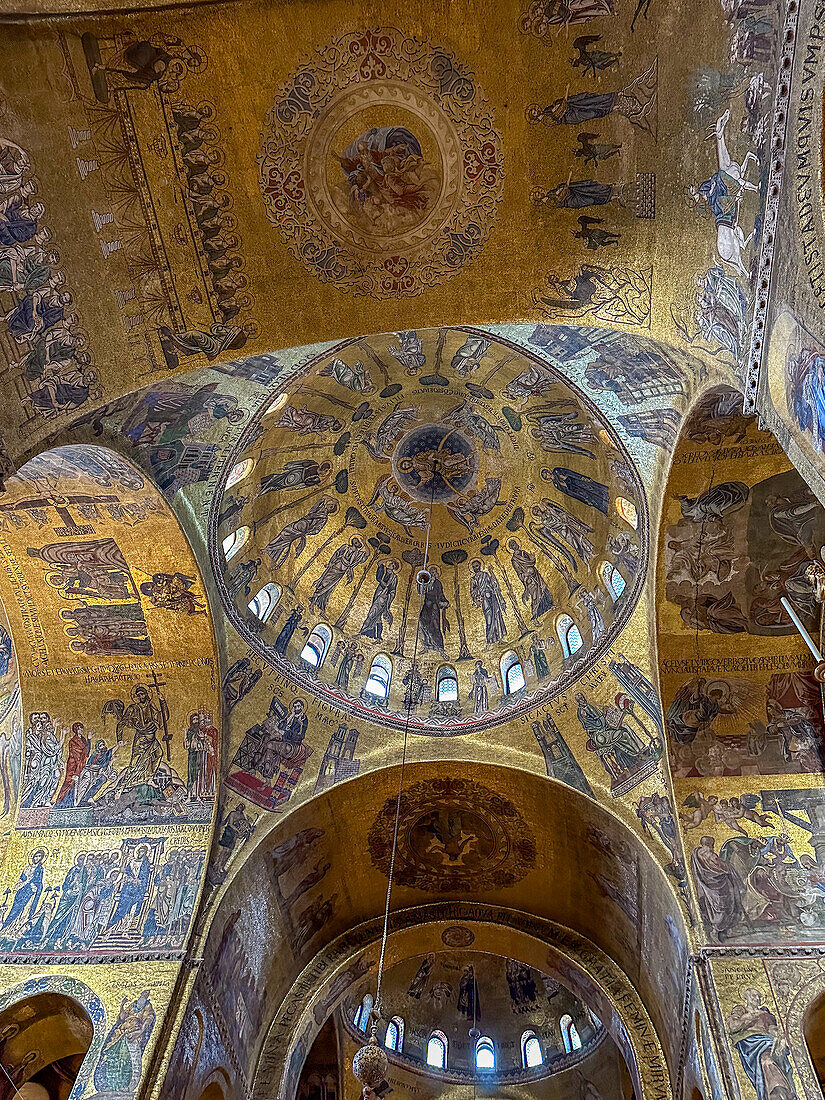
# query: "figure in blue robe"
{"type": "Point", "coordinates": [33, 314]}
{"type": "Point", "coordinates": [18, 223]}
{"type": "Point", "coordinates": [716, 193]}
{"type": "Point", "coordinates": [29, 890]}
{"type": "Point", "coordinates": [6, 651]}
{"type": "Point", "coordinates": [71, 894]}
{"type": "Point", "coordinates": [583, 488]}
{"type": "Point", "coordinates": [134, 888]}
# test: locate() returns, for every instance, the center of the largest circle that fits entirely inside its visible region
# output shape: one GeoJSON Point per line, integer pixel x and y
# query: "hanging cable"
{"type": "Point", "coordinates": [409, 703]}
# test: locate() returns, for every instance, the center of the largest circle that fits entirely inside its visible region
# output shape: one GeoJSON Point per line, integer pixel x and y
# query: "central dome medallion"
{"type": "Point", "coordinates": [454, 442]}
{"type": "Point", "coordinates": [435, 463]}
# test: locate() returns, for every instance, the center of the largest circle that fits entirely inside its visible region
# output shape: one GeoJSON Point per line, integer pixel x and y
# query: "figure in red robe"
{"type": "Point", "coordinates": [75, 761]}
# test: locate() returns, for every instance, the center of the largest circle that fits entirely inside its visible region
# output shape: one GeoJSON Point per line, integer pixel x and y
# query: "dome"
{"type": "Point", "coordinates": [503, 1002]}
{"type": "Point", "coordinates": [450, 446]}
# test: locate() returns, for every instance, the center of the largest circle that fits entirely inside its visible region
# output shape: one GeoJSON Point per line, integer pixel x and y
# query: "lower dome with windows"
{"type": "Point", "coordinates": [459, 1016]}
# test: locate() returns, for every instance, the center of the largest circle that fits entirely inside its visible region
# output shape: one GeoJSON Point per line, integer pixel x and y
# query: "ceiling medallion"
{"type": "Point", "coordinates": [381, 165]}
{"type": "Point", "coordinates": [453, 835]}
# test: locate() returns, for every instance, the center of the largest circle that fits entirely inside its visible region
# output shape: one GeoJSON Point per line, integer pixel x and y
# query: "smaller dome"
{"type": "Point", "coordinates": [469, 1013]}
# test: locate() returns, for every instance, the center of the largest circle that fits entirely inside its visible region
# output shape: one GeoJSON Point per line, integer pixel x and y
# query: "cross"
{"type": "Point", "coordinates": [157, 684]}
{"type": "Point", "coordinates": [61, 503]}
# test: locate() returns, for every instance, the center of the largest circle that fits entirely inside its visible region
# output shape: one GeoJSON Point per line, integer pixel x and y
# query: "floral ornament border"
{"type": "Point", "coordinates": [355, 63]}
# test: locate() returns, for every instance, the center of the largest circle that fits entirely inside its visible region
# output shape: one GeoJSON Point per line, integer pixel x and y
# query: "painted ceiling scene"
{"type": "Point", "coordinates": [412, 511]}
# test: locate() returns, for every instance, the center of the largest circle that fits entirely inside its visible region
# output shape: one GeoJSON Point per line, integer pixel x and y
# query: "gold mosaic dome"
{"type": "Point", "coordinates": [453, 447]}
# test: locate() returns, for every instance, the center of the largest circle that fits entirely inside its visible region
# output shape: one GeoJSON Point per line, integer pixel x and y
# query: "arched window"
{"type": "Point", "coordinates": [569, 1034]}
{"type": "Point", "coordinates": [278, 403]}
{"type": "Point", "coordinates": [394, 1039]}
{"type": "Point", "coordinates": [569, 636]}
{"type": "Point", "coordinates": [627, 510]}
{"type": "Point", "coordinates": [315, 648]}
{"type": "Point", "coordinates": [233, 543]}
{"type": "Point", "coordinates": [378, 681]}
{"type": "Point", "coordinates": [485, 1053]}
{"type": "Point", "coordinates": [361, 1018]}
{"type": "Point", "coordinates": [612, 579]}
{"type": "Point", "coordinates": [264, 603]}
{"type": "Point", "coordinates": [512, 674]}
{"type": "Point", "coordinates": [437, 1050]}
{"type": "Point", "coordinates": [239, 471]}
{"type": "Point", "coordinates": [531, 1055]}
{"type": "Point", "coordinates": [446, 685]}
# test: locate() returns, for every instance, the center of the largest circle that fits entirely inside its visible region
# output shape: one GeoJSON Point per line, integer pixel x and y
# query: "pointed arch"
{"type": "Point", "coordinates": [239, 471]}
{"type": "Point", "coordinates": [234, 542]}
{"type": "Point", "coordinates": [570, 638]}
{"type": "Point", "coordinates": [531, 1053]}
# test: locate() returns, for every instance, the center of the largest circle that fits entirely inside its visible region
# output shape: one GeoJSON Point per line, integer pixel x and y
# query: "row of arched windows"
{"type": "Point", "coordinates": [485, 1052]}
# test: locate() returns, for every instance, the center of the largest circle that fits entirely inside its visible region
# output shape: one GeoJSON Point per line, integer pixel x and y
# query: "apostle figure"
{"type": "Point", "coordinates": [340, 565]}
{"type": "Point", "coordinates": [535, 590]}
{"type": "Point", "coordinates": [560, 526]}
{"type": "Point", "coordinates": [577, 194]}
{"type": "Point", "coordinates": [43, 761]}
{"type": "Point", "coordinates": [386, 583]}
{"type": "Point", "coordinates": [134, 886]}
{"type": "Point", "coordinates": [468, 357]}
{"type": "Point", "coordinates": [298, 473]}
{"type": "Point", "coordinates": [478, 693]}
{"type": "Point", "coordinates": [468, 1004]}
{"type": "Point", "coordinates": [199, 748]}
{"type": "Point", "coordinates": [762, 1048]}
{"type": "Point", "coordinates": [486, 594]}
{"type": "Point", "coordinates": [636, 101]}
{"type": "Point", "coordinates": [28, 891]}
{"type": "Point", "coordinates": [287, 630]}
{"type": "Point", "coordinates": [78, 753]}
{"type": "Point", "coordinates": [433, 616]}
{"type": "Point", "coordinates": [422, 976]}
{"type": "Point", "coordinates": [353, 376]}
{"type": "Point", "coordinates": [71, 894]}
{"type": "Point", "coordinates": [719, 887]}
{"type": "Point", "coordinates": [218, 339]}
{"type": "Point", "coordinates": [299, 530]}
{"type": "Point", "coordinates": [583, 488]}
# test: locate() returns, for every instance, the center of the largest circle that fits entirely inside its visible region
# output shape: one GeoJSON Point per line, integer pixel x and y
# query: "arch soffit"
{"type": "Point", "coordinates": [576, 961]}
{"type": "Point", "coordinates": [76, 991]}
{"type": "Point", "coordinates": [153, 543]}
